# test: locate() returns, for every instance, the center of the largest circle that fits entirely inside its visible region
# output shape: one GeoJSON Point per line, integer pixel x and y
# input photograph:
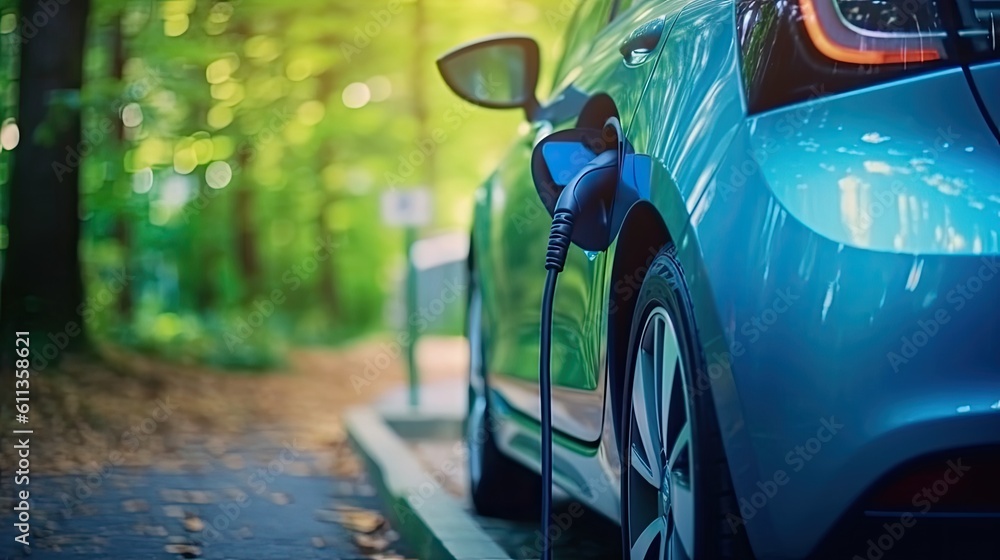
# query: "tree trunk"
{"type": "Point", "coordinates": [42, 287]}
{"type": "Point", "coordinates": [420, 110]}
{"type": "Point", "coordinates": [243, 205]}
{"type": "Point", "coordinates": [123, 225]}
{"type": "Point", "coordinates": [246, 235]}
{"type": "Point", "coordinates": [329, 294]}
{"type": "Point", "coordinates": [200, 269]}
{"type": "Point", "coordinates": [327, 280]}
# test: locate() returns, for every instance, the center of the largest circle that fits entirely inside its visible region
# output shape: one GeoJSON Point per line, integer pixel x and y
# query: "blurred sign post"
{"type": "Point", "coordinates": [409, 209]}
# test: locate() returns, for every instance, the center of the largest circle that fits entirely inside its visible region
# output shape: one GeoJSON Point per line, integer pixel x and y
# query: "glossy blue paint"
{"type": "Point", "coordinates": [987, 78]}
{"type": "Point", "coordinates": [512, 225]}
{"type": "Point", "coordinates": [844, 263]}
{"type": "Point", "coordinates": [854, 271]}
{"type": "Point", "coordinates": [868, 171]}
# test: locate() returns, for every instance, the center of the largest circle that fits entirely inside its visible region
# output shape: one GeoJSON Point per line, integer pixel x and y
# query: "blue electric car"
{"type": "Point", "coordinates": [792, 347]}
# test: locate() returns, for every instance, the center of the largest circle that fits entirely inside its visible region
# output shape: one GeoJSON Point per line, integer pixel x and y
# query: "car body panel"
{"type": "Point", "coordinates": [511, 246]}
{"type": "Point", "coordinates": [587, 472]}
{"type": "Point", "coordinates": [852, 275]}
{"type": "Point", "coordinates": [817, 241]}
{"type": "Point", "coordinates": [987, 80]}
{"type": "Point", "coordinates": [887, 180]}
{"type": "Point", "coordinates": [714, 102]}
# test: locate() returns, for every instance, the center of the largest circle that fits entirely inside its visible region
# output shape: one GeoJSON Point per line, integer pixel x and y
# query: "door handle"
{"type": "Point", "coordinates": [641, 43]}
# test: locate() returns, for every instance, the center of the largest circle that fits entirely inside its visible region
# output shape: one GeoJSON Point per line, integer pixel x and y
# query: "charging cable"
{"type": "Point", "coordinates": [590, 194]}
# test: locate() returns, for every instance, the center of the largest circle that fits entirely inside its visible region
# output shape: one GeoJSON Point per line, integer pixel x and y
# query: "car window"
{"type": "Point", "coordinates": [587, 21]}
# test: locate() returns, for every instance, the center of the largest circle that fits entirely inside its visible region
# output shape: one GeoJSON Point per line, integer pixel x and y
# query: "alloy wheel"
{"type": "Point", "coordinates": [660, 482]}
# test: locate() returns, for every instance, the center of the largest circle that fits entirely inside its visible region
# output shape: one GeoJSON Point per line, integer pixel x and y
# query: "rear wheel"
{"type": "Point", "coordinates": [677, 499]}
{"type": "Point", "coordinates": [500, 487]}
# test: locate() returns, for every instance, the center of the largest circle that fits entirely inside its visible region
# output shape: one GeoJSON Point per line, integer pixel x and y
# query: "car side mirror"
{"type": "Point", "coordinates": [499, 72]}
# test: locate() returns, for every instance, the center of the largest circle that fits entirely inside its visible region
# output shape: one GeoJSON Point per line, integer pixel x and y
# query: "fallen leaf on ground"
{"type": "Point", "coordinates": [369, 543]}
{"type": "Point", "coordinates": [185, 550]}
{"type": "Point", "coordinates": [135, 506]}
{"type": "Point", "coordinates": [193, 523]}
{"type": "Point", "coordinates": [361, 521]}
{"type": "Point", "coordinates": [281, 498]}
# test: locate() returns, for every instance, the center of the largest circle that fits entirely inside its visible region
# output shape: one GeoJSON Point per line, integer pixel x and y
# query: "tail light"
{"type": "Point", "coordinates": [796, 49]}
{"type": "Point", "coordinates": [829, 28]}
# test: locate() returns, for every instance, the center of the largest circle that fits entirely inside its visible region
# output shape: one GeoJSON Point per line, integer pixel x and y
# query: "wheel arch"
{"type": "Point", "coordinates": [642, 236]}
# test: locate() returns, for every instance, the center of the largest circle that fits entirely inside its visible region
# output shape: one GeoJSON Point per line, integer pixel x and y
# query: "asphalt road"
{"type": "Point", "coordinates": [261, 498]}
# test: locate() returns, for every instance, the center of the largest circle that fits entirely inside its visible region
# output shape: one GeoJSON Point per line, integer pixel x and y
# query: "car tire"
{"type": "Point", "coordinates": [499, 486]}
{"type": "Point", "coordinates": [684, 507]}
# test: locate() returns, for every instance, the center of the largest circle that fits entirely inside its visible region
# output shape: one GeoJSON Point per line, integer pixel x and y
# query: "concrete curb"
{"type": "Point", "coordinates": [438, 527]}
{"type": "Point", "coordinates": [423, 424]}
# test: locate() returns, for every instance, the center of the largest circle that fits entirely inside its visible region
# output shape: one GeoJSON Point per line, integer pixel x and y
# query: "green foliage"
{"type": "Point", "coordinates": [228, 144]}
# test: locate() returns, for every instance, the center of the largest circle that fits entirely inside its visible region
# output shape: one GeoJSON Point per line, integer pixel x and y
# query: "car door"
{"type": "Point", "coordinates": [603, 55]}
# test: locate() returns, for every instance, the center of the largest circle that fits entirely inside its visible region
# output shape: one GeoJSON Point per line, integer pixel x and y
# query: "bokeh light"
{"type": "Point", "coordinates": [356, 95]}
{"type": "Point", "coordinates": [185, 158]}
{"type": "Point", "coordinates": [311, 112]}
{"type": "Point", "coordinates": [219, 116]}
{"type": "Point", "coordinates": [10, 135]}
{"type": "Point", "coordinates": [218, 174]}
{"type": "Point", "coordinates": [8, 23]}
{"type": "Point", "coordinates": [298, 69]}
{"type": "Point", "coordinates": [176, 25]}
{"type": "Point", "coordinates": [381, 88]}
{"type": "Point", "coordinates": [132, 115]}
{"type": "Point", "coordinates": [263, 48]}
{"type": "Point", "coordinates": [142, 181]}
{"type": "Point", "coordinates": [220, 70]}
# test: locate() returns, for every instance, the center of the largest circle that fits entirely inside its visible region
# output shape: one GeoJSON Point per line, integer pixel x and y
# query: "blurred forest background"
{"type": "Point", "coordinates": [213, 153]}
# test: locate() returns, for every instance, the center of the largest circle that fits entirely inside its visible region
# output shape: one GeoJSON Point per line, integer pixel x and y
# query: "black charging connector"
{"type": "Point", "coordinates": [587, 198]}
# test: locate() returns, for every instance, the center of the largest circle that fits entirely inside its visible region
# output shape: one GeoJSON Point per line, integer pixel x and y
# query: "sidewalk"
{"type": "Point", "coordinates": [238, 465]}
{"type": "Point", "coordinates": [418, 461]}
